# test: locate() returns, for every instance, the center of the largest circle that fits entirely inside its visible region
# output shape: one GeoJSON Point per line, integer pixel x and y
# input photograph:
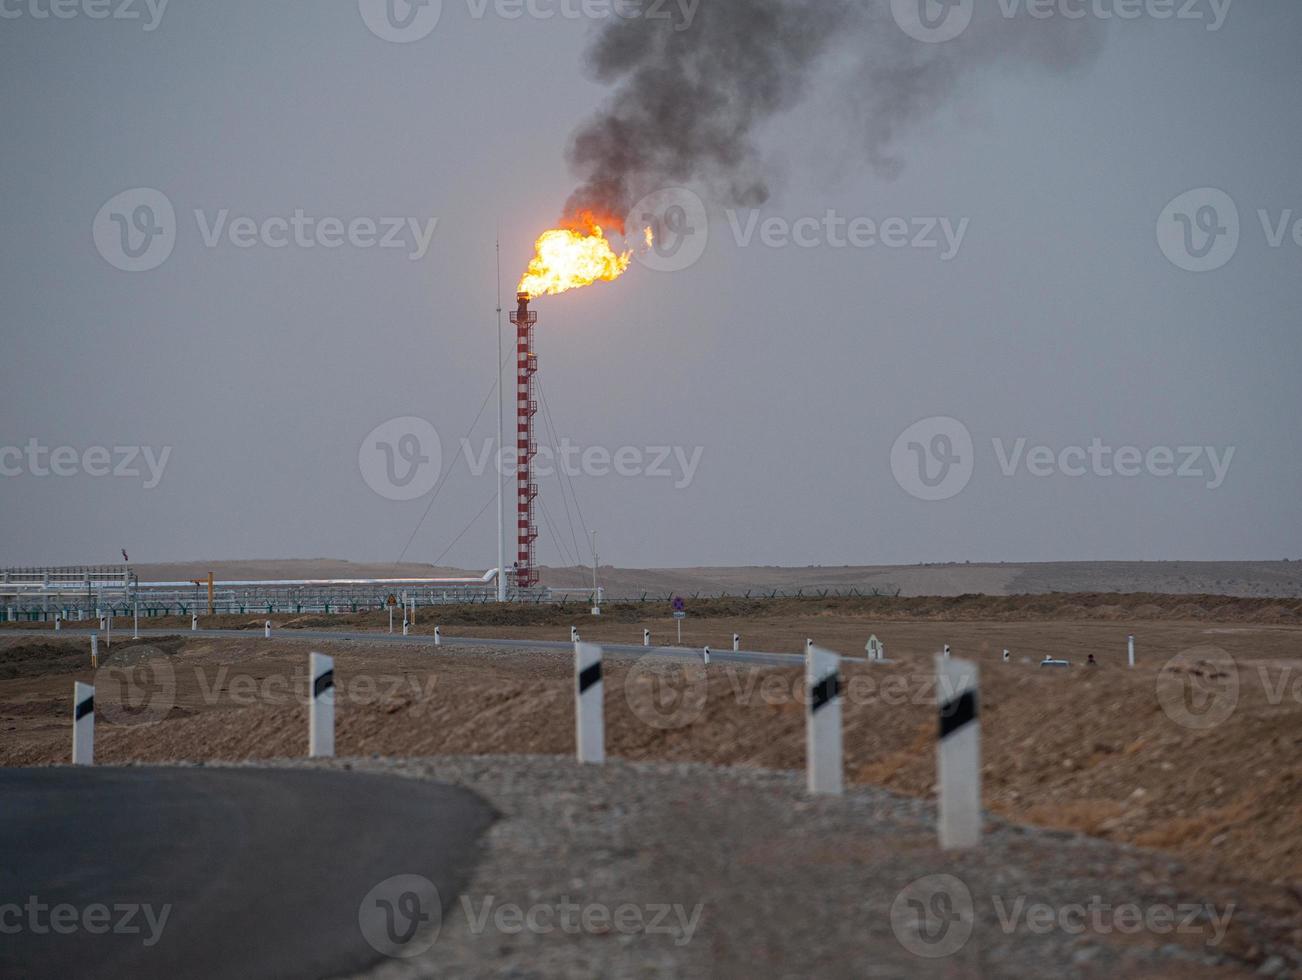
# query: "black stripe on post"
{"type": "Point", "coordinates": [957, 713]}
{"type": "Point", "coordinates": [84, 708]}
{"type": "Point", "coordinates": [323, 683]}
{"type": "Point", "coordinates": [824, 691]}
{"type": "Point", "coordinates": [589, 676]}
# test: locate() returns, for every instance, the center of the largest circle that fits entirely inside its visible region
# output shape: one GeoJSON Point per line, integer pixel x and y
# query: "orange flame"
{"type": "Point", "coordinates": [567, 258]}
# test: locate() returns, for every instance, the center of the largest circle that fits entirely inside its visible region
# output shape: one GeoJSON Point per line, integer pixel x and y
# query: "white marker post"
{"type": "Point", "coordinates": [1007, 656]}
{"type": "Point", "coordinates": [590, 724]}
{"type": "Point", "coordinates": [958, 754]}
{"type": "Point", "coordinates": [266, 630]}
{"type": "Point", "coordinates": [736, 642]}
{"type": "Point", "coordinates": [1130, 649]}
{"type": "Point", "coordinates": [574, 634]}
{"type": "Point", "coordinates": [83, 724]}
{"type": "Point", "coordinates": [94, 650]}
{"type": "Point", "coordinates": [823, 721]}
{"type": "Point", "coordinates": [406, 626]}
{"type": "Point", "coordinates": [321, 716]}
{"type": "Point", "coordinates": [646, 638]}
{"type": "Point", "coordinates": [58, 622]}
{"type": "Point", "coordinates": [873, 648]}
{"type": "Point", "coordinates": [946, 651]}
{"type": "Point", "coordinates": [707, 656]}
{"type": "Point", "coordinates": [438, 636]}
{"type": "Point", "coordinates": [194, 621]}
{"type": "Point", "coordinates": [809, 647]}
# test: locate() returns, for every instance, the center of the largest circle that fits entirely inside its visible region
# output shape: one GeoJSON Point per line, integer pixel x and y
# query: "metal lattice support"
{"type": "Point", "coordinates": [526, 406]}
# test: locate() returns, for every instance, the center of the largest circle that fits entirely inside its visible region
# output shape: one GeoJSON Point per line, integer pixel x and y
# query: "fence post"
{"type": "Point", "coordinates": [958, 754]}
{"type": "Point", "coordinates": [321, 718]}
{"type": "Point", "coordinates": [823, 721]}
{"type": "Point", "coordinates": [83, 724]}
{"type": "Point", "coordinates": [590, 725]}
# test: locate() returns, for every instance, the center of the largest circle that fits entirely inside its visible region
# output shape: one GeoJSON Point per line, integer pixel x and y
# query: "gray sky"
{"type": "Point", "coordinates": [1060, 318]}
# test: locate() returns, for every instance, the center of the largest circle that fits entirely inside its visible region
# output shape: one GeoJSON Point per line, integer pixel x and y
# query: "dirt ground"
{"type": "Point", "coordinates": [1196, 755]}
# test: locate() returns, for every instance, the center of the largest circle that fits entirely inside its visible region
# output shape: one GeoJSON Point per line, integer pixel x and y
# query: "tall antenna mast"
{"type": "Point", "coordinates": [501, 538]}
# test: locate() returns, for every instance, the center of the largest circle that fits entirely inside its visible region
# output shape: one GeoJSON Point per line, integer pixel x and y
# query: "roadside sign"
{"type": "Point", "coordinates": [680, 613]}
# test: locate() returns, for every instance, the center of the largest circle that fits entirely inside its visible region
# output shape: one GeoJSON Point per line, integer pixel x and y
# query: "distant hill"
{"type": "Point", "coordinates": [1234, 578]}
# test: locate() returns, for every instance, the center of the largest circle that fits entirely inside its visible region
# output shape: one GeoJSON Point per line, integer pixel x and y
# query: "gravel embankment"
{"type": "Point", "coordinates": [601, 871]}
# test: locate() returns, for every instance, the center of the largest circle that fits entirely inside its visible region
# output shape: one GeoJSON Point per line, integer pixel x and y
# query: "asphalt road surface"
{"type": "Point", "coordinates": [244, 873]}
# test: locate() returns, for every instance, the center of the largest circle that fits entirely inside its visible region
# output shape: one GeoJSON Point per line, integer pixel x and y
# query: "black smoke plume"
{"type": "Point", "coordinates": [694, 86]}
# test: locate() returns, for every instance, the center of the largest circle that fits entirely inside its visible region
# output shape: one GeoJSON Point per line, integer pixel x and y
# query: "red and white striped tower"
{"type": "Point", "coordinates": [526, 406]}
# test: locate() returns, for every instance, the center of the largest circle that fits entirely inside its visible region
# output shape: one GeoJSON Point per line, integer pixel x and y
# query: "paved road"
{"type": "Point", "coordinates": [426, 640]}
{"type": "Point", "coordinates": [238, 873]}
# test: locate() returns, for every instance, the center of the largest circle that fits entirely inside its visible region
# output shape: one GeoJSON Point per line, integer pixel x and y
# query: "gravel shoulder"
{"type": "Point", "coordinates": [660, 870]}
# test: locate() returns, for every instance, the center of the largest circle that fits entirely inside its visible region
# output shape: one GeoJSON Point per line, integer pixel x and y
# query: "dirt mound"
{"type": "Point", "coordinates": [38, 659]}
